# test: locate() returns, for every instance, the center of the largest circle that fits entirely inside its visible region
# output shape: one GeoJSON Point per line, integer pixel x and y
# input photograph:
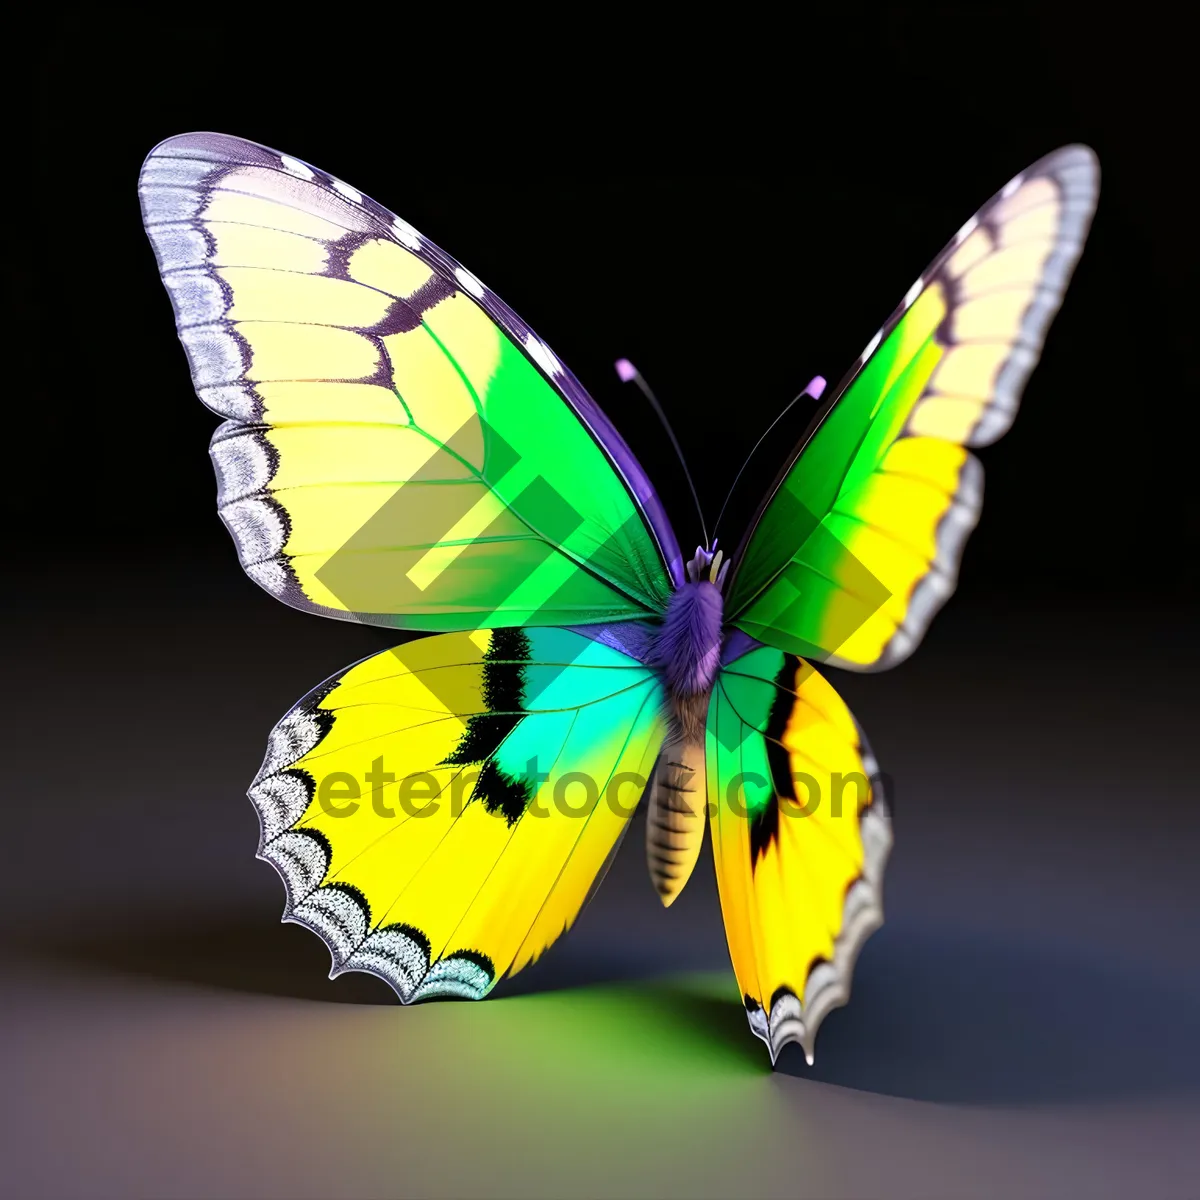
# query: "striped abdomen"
{"type": "Point", "coordinates": [676, 808]}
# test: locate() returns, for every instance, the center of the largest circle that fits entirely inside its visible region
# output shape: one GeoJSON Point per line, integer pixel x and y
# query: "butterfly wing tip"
{"type": "Point", "coordinates": [785, 1024]}
{"type": "Point", "coordinates": [775, 1049]}
{"type": "Point", "coordinates": [805, 1044]}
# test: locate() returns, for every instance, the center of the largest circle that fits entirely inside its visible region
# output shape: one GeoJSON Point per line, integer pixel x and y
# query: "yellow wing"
{"type": "Point", "coordinates": [440, 812]}
{"type": "Point", "coordinates": [401, 448]}
{"type": "Point", "coordinates": [801, 835]}
{"type": "Point", "coordinates": [859, 545]}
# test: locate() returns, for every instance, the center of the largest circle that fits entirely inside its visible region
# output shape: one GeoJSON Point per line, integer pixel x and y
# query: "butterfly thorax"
{"type": "Point", "coordinates": [687, 652]}
{"type": "Point", "coordinates": [687, 648]}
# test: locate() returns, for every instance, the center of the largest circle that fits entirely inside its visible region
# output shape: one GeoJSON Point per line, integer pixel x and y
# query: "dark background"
{"type": "Point", "coordinates": [736, 203]}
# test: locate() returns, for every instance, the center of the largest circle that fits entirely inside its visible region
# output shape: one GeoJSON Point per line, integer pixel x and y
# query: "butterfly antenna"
{"type": "Point", "coordinates": [813, 388]}
{"type": "Point", "coordinates": [628, 373]}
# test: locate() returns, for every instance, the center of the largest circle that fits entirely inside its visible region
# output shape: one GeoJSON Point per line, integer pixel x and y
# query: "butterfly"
{"type": "Point", "coordinates": [399, 448]}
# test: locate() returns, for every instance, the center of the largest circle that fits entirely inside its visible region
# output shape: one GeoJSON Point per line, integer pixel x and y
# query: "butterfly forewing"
{"type": "Point", "coordinates": [859, 544]}
{"type": "Point", "coordinates": [400, 449]}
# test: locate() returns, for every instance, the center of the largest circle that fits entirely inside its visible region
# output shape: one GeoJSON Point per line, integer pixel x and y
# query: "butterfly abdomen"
{"type": "Point", "coordinates": [675, 816]}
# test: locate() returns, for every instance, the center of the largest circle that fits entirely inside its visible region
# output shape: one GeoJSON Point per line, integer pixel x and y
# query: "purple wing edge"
{"type": "Point", "coordinates": [736, 644]}
{"type": "Point", "coordinates": [230, 148]}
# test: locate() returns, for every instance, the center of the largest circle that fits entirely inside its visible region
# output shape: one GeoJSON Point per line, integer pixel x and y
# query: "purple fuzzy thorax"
{"type": "Point", "coordinates": [688, 647]}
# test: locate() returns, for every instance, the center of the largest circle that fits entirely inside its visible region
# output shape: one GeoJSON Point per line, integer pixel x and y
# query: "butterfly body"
{"type": "Point", "coordinates": [399, 448]}
{"type": "Point", "coordinates": [686, 652]}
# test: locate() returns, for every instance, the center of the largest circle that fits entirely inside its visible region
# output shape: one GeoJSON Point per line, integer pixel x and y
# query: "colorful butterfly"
{"type": "Point", "coordinates": [401, 449]}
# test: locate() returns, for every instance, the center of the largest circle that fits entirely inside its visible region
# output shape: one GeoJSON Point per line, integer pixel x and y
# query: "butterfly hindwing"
{"type": "Point", "coordinates": [801, 834]}
{"type": "Point", "coordinates": [859, 544]}
{"type": "Point", "coordinates": [440, 812]}
{"type": "Point", "coordinates": [399, 447]}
